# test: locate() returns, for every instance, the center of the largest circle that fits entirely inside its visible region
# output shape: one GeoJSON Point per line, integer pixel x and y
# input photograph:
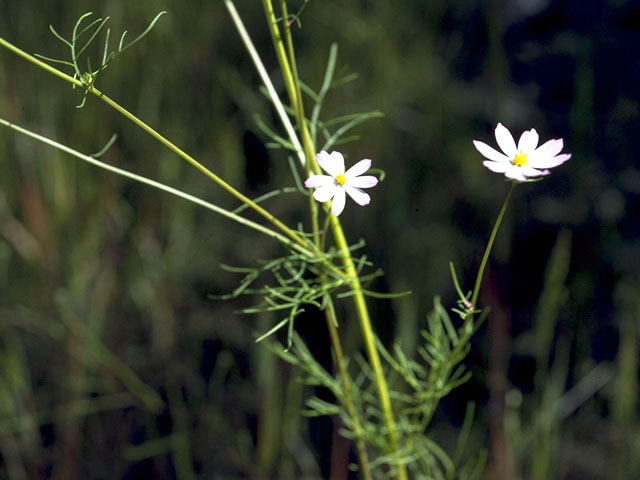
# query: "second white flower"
{"type": "Point", "coordinates": [339, 182]}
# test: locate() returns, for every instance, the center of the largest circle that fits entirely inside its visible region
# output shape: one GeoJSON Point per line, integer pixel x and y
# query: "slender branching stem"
{"type": "Point", "coordinates": [296, 94]}
{"type": "Point", "coordinates": [147, 181]}
{"type": "Point", "coordinates": [295, 238]}
{"type": "Point", "coordinates": [289, 71]}
{"type": "Point", "coordinates": [40, 63]}
{"type": "Point", "coordinates": [262, 71]}
{"type": "Point", "coordinates": [222, 183]}
{"type": "Point", "coordinates": [181, 153]}
{"type": "Point", "coordinates": [279, 47]}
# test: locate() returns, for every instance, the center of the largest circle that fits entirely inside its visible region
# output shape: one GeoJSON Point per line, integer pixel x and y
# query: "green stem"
{"type": "Point", "coordinates": [138, 178]}
{"type": "Point", "coordinates": [485, 258]}
{"type": "Point", "coordinates": [466, 329]}
{"type": "Point", "coordinates": [280, 50]}
{"type": "Point", "coordinates": [370, 344]}
{"type": "Point", "coordinates": [262, 71]}
{"type": "Point", "coordinates": [290, 73]}
{"type": "Point", "coordinates": [240, 196]}
{"type": "Point", "coordinates": [270, 217]}
{"type": "Point", "coordinates": [346, 388]}
{"type": "Point", "coordinates": [41, 64]}
{"type": "Point", "coordinates": [467, 326]}
{"type": "Point", "coordinates": [296, 94]}
{"type": "Point", "coordinates": [332, 322]}
{"type": "Point", "coordinates": [289, 70]}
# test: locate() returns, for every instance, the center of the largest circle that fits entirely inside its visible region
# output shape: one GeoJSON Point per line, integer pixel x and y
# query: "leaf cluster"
{"type": "Point", "coordinates": [325, 134]}
{"type": "Point", "coordinates": [295, 282]}
{"type": "Point", "coordinates": [82, 37]}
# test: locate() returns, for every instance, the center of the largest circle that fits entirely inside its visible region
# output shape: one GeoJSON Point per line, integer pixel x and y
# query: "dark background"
{"type": "Point", "coordinates": [104, 283]}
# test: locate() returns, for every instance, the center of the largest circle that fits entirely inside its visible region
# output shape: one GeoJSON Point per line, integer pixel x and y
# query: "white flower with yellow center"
{"type": "Point", "coordinates": [525, 161]}
{"type": "Point", "coordinates": [339, 183]}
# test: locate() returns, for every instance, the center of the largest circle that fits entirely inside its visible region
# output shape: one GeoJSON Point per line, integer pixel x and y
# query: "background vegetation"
{"type": "Point", "coordinates": [115, 364]}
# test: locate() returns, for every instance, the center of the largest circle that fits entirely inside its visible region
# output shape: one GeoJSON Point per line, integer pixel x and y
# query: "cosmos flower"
{"type": "Point", "coordinates": [339, 183]}
{"type": "Point", "coordinates": [525, 161]}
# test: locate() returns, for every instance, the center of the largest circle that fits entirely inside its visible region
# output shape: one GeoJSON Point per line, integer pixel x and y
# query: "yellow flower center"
{"type": "Point", "coordinates": [520, 159]}
{"type": "Point", "coordinates": [340, 180]}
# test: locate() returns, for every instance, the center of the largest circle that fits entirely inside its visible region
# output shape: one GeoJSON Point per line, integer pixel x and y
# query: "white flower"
{"type": "Point", "coordinates": [524, 161]}
{"type": "Point", "coordinates": [338, 182]}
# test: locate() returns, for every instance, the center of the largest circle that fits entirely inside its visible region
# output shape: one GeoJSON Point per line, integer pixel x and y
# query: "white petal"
{"type": "Point", "coordinates": [322, 158]}
{"type": "Point", "coordinates": [358, 195]}
{"type": "Point", "coordinates": [366, 181]}
{"type": "Point", "coordinates": [358, 169]}
{"type": "Point", "coordinates": [528, 141]}
{"type": "Point", "coordinates": [548, 149]}
{"type": "Point", "coordinates": [550, 162]}
{"type": "Point", "coordinates": [498, 167]}
{"type": "Point", "coordinates": [332, 163]}
{"type": "Point", "coordinates": [515, 173]}
{"type": "Point", "coordinates": [326, 193]}
{"type": "Point", "coordinates": [528, 171]}
{"type": "Point", "coordinates": [505, 141]}
{"type": "Point", "coordinates": [338, 202]}
{"type": "Point", "coordinates": [490, 153]}
{"type": "Point", "coordinates": [318, 181]}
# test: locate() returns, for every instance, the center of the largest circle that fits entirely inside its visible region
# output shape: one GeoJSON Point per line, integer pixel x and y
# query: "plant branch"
{"type": "Point", "coordinates": [138, 178]}
{"type": "Point", "coordinates": [289, 71]}
{"type": "Point", "coordinates": [182, 154]}
{"type": "Point", "coordinates": [487, 251]}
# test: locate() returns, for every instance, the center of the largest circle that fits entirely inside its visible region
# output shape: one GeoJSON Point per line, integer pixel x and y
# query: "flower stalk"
{"type": "Point", "coordinates": [487, 251]}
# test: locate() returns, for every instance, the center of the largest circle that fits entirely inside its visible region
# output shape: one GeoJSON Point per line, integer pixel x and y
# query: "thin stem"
{"type": "Point", "coordinates": [290, 74]}
{"type": "Point", "coordinates": [41, 64]}
{"type": "Point", "coordinates": [240, 196]}
{"type": "Point", "coordinates": [485, 258]}
{"type": "Point", "coordinates": [346, 388]}
{"type": "Point", "coordinates": [246, 39]}
{"type": "Point", "coordinates": [138, 178]}
{"type": "Point", "coordinates": [466, 330]}
{"type": "Point", "coordinates": [296, 100]}
{"type": "Point", "coordinates": [332, 322]}
{"type": "Point", "coordinates": [279, 47]}
{"type": "Point", "coordinates": [270, 217]}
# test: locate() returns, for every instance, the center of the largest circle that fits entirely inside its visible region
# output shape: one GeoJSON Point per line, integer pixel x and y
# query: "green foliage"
{"type": "Point", "coordinates": [328, 133]}
{"type": "Point", "coordinates": [298, 282]}
{"type": "Point", "coordinates": [417, 389]}
{"type": "Point", "coordinates": [88, 34]}
{"type": "Point", "coordinates": [103, 310]}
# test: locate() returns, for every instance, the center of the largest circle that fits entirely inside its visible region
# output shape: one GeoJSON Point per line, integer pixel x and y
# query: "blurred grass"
{"type": "Point", "coordinates": [115, 365]}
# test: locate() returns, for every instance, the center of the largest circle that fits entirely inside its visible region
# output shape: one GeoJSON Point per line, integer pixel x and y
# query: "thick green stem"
{"type": "Point", "coordinates": [370, 344]}
{"type": "Point", "coordinates": [280, 50]}
{"type": "Point", "coordinates": [346, 388]}
{"type": "Point", "coordinates": [289, 71]}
